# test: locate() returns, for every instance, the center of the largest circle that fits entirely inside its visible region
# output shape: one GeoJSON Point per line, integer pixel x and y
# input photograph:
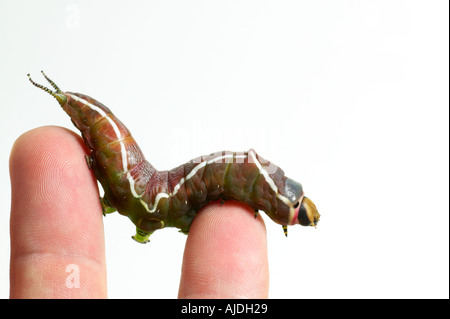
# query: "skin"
{"type": "Point", "coordinates": [56, 221]}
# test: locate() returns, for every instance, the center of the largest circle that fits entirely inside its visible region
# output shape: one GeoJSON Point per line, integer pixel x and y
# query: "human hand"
{"type": "Point", "coordinates": [56, 221]}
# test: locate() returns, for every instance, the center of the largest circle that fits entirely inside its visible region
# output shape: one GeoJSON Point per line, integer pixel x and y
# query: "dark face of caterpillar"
{"type": "Point", "coordinates": [307, 213]}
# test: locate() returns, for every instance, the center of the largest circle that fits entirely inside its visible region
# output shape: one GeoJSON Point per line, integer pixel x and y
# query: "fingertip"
{"type": "Point", "coordinates": [55, 216]}
{"type": "Point", "coordinates": [225, 254]}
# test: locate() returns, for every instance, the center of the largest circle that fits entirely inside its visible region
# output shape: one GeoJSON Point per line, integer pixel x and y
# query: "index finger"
{"type": "Point", "coordinates": [57, 243]}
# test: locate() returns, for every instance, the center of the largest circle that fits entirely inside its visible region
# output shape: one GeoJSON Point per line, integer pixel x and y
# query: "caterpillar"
{"type": "Point", "coordinates": [154, 199]}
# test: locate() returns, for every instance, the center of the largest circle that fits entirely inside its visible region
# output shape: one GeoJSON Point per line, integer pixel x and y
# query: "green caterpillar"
{"type": "Point", "coordinates": [154, 199]}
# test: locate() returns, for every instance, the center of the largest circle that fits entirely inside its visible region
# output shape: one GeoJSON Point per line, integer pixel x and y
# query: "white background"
{"type": "Point", "coordinates": [349, 97]}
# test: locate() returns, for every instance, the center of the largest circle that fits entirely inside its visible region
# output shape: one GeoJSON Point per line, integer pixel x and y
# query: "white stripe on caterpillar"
{"type": "Point", "coordinates": [189, 176]}
{"type": "Point", "coordinates": [268, 179]}
{"type": "Point", "coordinates": [194, 171]}
{"type": "Point", "coordinates": [123, 150]}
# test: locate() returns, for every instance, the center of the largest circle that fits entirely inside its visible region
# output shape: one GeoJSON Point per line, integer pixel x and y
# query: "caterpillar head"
{"type": "Point", "coordinates": [304, 211]}
{"type": "Point", "coordinates": [307, 214]}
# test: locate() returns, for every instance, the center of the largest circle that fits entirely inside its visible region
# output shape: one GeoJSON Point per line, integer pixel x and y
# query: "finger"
{"type": "Point", "coordinates": [225, 254]}
{"type": "Point", "coordinates": [57, 244]}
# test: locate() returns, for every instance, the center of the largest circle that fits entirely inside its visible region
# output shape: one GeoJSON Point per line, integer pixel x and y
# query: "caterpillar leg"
{"type": "Point", "coordinates": [186, 232]}
{"type": "Point", "coordinates": [89, 161]}
{"type": "Point", "coordinates": [106, 206]}
{"type": "Point", "coordinates": [142, 236]}
{"type": "Point", "coordinates": [285, 230]}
